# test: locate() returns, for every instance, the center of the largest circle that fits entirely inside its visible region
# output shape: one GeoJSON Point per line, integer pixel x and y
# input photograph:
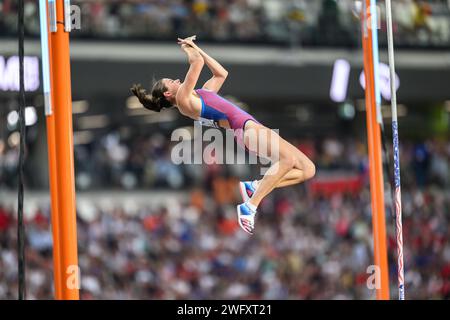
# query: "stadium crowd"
{"type": "Point", "coordinates": [305, 247]}
{"type": "Point", "coordinates": [137, 161]}
{"type": "Point", "coordinates": [418, 23]}
{"type": "Point", "coordinates": [308, 245]}
{"type": "Point", "coordinates": [312, 241]}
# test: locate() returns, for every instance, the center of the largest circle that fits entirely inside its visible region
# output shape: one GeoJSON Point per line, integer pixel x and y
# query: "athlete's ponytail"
{"type": "Point", "coordinates": [155, 101]}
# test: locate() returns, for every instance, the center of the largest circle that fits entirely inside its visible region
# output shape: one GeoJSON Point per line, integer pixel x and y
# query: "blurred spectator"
{"type": "Point", "coordinates": [292, 22]}
{"type": "Point", "coordinates": [136, 161]}
{"type": "Point", "coordinates": [305, 248]}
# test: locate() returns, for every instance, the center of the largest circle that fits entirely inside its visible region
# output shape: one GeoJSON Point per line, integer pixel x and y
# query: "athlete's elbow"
{"type": "Point", "coordinates": [221, 74]}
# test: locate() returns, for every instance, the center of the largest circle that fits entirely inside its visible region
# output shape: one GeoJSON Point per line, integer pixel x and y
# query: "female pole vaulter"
{"type": "Point", "coordinates": [289, 166]}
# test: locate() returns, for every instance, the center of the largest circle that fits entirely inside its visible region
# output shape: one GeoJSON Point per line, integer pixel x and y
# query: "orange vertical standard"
{"type": "Point", "coordinates": [54, 206]}
{"type": "Point", "coordinates": [50, 119]}
{"type": "Point", "coordinates": [64, 155]}
{"type": "Point", "coordinates": [375, 162]}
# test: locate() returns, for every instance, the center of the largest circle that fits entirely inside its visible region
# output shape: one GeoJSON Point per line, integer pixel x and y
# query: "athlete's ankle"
{"type": "Point", "coordinates": [251, 206]}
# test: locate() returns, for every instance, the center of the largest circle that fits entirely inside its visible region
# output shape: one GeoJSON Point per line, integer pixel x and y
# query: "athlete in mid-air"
{"type": "Point", "coordinates": [289, 165]}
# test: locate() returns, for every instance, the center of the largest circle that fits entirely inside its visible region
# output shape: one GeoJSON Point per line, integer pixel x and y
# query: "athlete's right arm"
{"type": "Point", "coordinates": [196, 63]}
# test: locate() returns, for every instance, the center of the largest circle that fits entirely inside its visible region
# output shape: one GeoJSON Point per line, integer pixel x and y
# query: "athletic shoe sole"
{"type": "Point", "coordinates": [239, 221]}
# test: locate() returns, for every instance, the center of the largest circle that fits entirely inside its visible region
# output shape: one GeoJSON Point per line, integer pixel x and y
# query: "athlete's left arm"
{"type": "Point", "coordinates": [219, 72]}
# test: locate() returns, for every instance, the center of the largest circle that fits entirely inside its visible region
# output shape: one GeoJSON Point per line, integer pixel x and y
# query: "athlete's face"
{"type": "Point", "coordinates": [172, 86]}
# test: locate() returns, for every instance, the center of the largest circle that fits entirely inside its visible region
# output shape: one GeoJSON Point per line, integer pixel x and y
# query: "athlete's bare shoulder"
{"type": "Point", "coordinates": [192, 106]}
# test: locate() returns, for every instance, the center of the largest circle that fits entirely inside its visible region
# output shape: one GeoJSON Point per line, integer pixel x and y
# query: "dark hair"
{"type": "Point", "coordinates": [155, 101]}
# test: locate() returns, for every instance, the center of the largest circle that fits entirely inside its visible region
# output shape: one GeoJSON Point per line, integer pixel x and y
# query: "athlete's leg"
{"type": "Point", "coordinates": [294, 176]}
{"type": "Point", "coordinates": [290, 165]}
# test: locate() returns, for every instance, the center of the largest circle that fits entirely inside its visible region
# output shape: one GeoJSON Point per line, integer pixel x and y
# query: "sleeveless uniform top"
{"type": "Point", "coordinates": [215, 108]}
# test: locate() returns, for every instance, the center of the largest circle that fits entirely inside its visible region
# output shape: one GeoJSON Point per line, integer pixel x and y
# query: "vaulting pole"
{"type": "Point", "coordinates": [397, 193]}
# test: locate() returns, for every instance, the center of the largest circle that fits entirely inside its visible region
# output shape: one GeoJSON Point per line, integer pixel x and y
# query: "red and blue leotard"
{"type": "Point", "coordinates": [215, 108]}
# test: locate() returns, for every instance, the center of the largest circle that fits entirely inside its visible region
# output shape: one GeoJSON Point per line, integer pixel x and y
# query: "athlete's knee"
{"type": "Point", "coordinates": [309, 170]}
{"type": "Point", "coordinates": [288, 160]}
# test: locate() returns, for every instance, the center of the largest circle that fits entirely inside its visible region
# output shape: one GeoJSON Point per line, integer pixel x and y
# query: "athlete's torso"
{"type": "Point", "coordinates": [195, 108]}
{"type": "Point", "coordinates": [212, 109]}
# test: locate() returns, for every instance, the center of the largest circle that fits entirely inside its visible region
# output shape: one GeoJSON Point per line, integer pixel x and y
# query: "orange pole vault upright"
{"type": "Point", "coordinates": [375, 160]}
{"type": "Point", "coordinates": [57, 267]}
{"type": "Point", "coordinates": [50, 122]}
{"type": "Point", "coordinates": [57, 272]}
{"type": "Point", "coordinates": [61, 90]}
